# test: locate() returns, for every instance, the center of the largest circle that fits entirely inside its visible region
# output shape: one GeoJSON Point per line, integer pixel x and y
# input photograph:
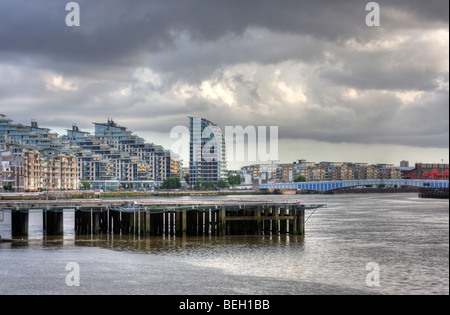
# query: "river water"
{"type": "Point", "coordinates": [407, 237]}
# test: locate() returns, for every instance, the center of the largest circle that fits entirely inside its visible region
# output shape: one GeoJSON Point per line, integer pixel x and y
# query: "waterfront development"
{"type": "Point", "coordinates": [405, 235]}
{"type": "Point", "coordinates": [224, 148]}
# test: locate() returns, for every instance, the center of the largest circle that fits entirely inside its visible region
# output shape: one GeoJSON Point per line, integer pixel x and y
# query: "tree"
{"type": "Point", "coordinates": [86, 185]}
{"type": "Point", "coordinates": [234, 180]}
{"type": "Point", "coordinates": [208, 185]}
{"type": "Point", "coordinates": [8, 187]}
{"type": "Point", "coordinates": [222, 184]}
{"type": "Point", "coordinates": [300, 179]}
{"type": "Point", "coordinates": [172, 183]}
{"type": "Point", "coordinates": [186, 178]}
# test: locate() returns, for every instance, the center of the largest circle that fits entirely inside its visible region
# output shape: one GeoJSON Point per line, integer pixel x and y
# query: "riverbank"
{"type": "Point", "coordinates": [121, 194]}
{"type": "Point", "coordinates": [423, 193]}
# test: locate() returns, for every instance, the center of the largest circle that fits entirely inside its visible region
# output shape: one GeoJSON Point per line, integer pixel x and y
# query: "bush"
{"type": "Point", "coordinates": [172, 183]}
{"type": "Point", "coordinates": [222, 184]}
{"type": "Point", "coordinates": [300, 179]}
{"type": "Point", "coordinates": [234, 180]}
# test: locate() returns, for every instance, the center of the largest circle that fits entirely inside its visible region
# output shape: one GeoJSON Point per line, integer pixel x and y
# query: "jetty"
{"type": "Point", "coordinates": [168, 217]}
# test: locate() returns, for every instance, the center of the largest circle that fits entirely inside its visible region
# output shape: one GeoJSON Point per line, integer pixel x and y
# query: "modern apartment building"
{"type": "Point", "coordinates": [207, 153]}
{"type": "Point", "coordinates": [156, 157]}
{"type": "Point", "coordinates": [32, 135]}
{"type": "Point", "coordinates": [112, 157]}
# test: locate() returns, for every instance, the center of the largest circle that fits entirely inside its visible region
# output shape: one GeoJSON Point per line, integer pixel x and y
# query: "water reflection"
{"type": "Point", "coordinates": [157, 245]}
{"type": "Point", "coordinates": [407, 236]}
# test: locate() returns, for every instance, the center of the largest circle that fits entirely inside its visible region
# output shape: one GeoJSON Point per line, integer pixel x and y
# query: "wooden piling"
{"type": "Point", "coordinates": [132, 223]}
{"type": "Point", "coordinates": [19, 223]}
{"type": "Point", "coordinates": [95, 222]}
{"type": "Point", "coordinates": [116, 221]}
{"type": "Point", "coordinates": [276, 221]}
{"type": "Point", "coordinates": [302, 222]}
{"type": "Point", "coordinates": [184, 222]}
{"type": "Point", "coordinates": [161, 224]}
{"type": "Point", "coordinates": [282, 221]}
{"type": "Point", "coordinates": [222, 222]}
{"type": "Point", "coordinates": [259, 227]}
{"type": "Point", "coordinates": [200, 223]}
{"type": "Point", "coordinates": [166, 223]}
{"type": "Point", "coordinates": [293, 228]}
{"type": "Point", "coordinates": [82, 222]}
{"type": "Point", "coordinates": [147, 224]}
{"type": "Point", "coordinates": [207, 222]}
{"type": "Point", "coordinates": [213, 222]}
{"type": "Point", "coordinates": [178, 225]}
{"type": "Point", "coordinates": [53, 222]}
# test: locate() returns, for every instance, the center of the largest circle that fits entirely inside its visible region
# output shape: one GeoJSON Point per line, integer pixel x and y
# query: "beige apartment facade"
{"type": "Point", "coordinates": [326, 171]}
{"type": "Point", "coordinates": [50, 171]}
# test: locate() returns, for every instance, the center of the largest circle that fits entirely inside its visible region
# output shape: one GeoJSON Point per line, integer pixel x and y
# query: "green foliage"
{"type": "Point", "coordinates": [186, 178]}
{"type": "Point", "coordinates": [8, 187]}
{"type": "Point", "coordinates": [86, 185]}
{"type": "Point", "coordinates": [208, 185]}
{"type": "Point", "coordinates": [234, 180]}
{"type": "Point", "coordinates": [172, 183]}
{"type": "Point", "coordinates": [222, 184]}
{"type": "Point", "coordinates": [300, 179]}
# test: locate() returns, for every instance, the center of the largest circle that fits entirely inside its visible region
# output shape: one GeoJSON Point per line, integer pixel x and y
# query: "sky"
{"type": "Point", "coordinates": [337, 89]}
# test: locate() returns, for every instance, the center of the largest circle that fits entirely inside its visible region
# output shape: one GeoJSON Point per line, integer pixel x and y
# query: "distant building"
{"type": "Point", "coordinates": [157, 158]}
{"type": "Point", "coordinates": [32, 135]}
{"type": "Point", "coordinates": [323, 171]}
{"type": "Point", "coordinates": [287, 173]}
{"type": "Point", "coordinates": [175, 165]}
{"type": "Point", "coordinates": [12, 175]}
{"type": "Point", "coordinates": [404, 163]}
{"type": "Point", "coordinates": [207, 162]}
{"type": "Point", "coordinates": [113, 157]}
{"type": "Point", "coordinates": [184, 172]}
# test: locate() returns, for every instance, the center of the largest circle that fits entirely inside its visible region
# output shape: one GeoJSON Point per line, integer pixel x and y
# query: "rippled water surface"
{"type": "Point", "coordinates": [406, 236]}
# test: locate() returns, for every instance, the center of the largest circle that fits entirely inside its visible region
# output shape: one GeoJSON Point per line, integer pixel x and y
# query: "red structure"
{"type": "Point", "coordinates": [428, 171]}
{"type": "Point", "coordinates": [437, 174]}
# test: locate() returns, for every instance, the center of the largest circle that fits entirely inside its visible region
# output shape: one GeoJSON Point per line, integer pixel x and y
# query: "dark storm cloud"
{"type": "Point", "coordinates": [121, 31]}
{"type": "Point", "coordinates": [236, 47]}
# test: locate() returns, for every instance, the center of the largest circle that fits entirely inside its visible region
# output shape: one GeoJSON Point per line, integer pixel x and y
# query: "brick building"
{"type": "Point", "coordinates": [428, 171]}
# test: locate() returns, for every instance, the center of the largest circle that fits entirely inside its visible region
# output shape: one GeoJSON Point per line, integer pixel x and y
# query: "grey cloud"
{"type": "Point", "coordinates": [125, 32]}
{"type": "Point", "coordinates": [190, 41]}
